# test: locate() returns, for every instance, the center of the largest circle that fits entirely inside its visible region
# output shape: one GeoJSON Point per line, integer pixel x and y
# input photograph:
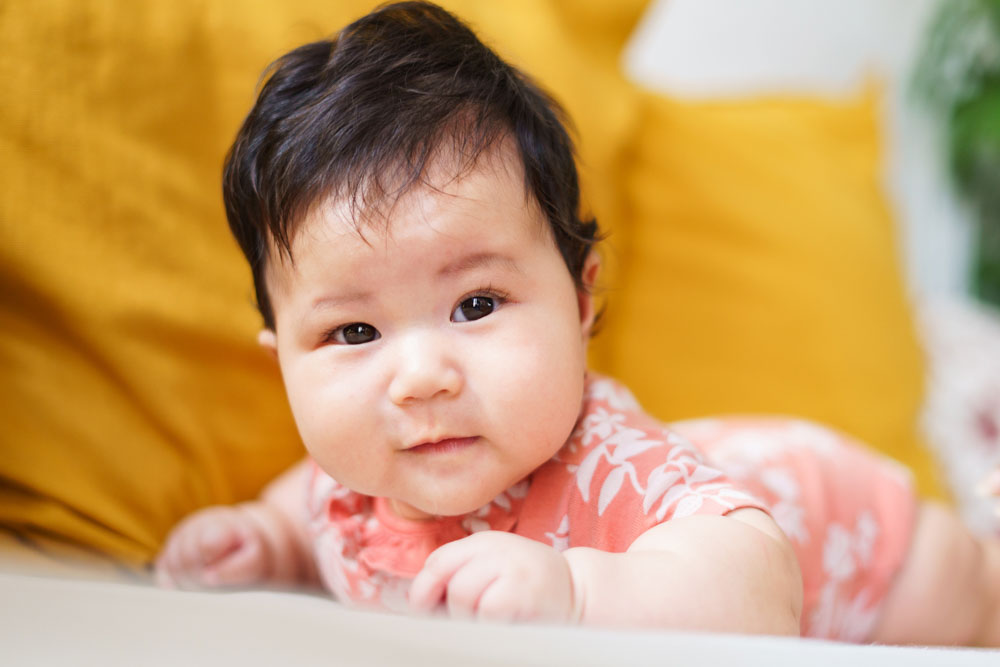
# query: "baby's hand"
{"type": "Point", "coordinates": [215, 547]}
{"type": "Point", "coordinates": [497, 576]}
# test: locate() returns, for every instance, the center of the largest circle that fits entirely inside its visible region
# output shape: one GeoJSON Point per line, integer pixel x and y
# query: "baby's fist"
{"type": "Point", "coordinates": [496, 576]}
{"type": "Point", "coordinates": [215, 547]}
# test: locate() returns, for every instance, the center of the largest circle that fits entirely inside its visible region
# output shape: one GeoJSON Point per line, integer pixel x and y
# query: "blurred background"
{"type": "Point", "coordinates": [936, 64]}
{"type": "Point", "coordinates": [712, 49]}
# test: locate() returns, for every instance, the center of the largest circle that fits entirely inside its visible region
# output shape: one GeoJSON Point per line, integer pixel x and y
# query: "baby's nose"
{"type": "Point", "coordinates": [426, 369]}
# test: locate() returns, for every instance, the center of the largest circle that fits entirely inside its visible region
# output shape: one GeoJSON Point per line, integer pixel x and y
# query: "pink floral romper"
{"type": "Point", "coordinates": [847, 511]}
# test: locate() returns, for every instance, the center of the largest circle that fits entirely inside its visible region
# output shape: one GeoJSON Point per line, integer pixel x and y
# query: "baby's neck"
{"type": "Point", "coordinates": [409, 512]}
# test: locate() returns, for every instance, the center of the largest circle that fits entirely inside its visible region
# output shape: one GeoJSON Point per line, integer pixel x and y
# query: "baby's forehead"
{"type": "Point", "coordinates": [494, 187]}
{"type": "Point", "coordinates": [373, 211]}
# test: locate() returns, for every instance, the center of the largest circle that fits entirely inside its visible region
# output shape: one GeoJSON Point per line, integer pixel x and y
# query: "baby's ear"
{"type": "Point", "coordinates": [268, 340]}
{"type": "Point", "coordinates": [585, 296]}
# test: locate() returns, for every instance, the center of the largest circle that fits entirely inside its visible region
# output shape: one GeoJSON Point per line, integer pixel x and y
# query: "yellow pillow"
{"type": "Point", "coordinates": [760, 271]}
{"type": "Point", "coordinates": [133, 389]}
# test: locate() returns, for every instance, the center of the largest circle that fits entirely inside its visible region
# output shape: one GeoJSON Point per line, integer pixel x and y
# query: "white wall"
{"type": "Point", "coordinates": [721, 48]}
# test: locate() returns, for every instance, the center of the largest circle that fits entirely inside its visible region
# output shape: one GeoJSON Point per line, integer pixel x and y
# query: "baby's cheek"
{"type": "Point", "coordinates": [545, 389]}
{"type": "Point", "coordinates": [324, 423]}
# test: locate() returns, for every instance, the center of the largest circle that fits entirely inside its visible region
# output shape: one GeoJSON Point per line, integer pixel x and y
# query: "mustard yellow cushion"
{"type": "Point", "coordinates": [133, 390]}
{"type": "Point", "coordinates": [760, 271]}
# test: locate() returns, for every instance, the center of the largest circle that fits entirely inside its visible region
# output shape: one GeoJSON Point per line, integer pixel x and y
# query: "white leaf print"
{"type": "Point", "coordinates": [474, 525]}
{"type": "Point", "coordinates": [749, 446]}
{"type": "Point", "coordinates": [585, 473]}
{"type": "Point", "coordinates": [688, 506]}
{"type": "Point", "coordinates": [781, 482]}
{"type": "Point", "coordinates": [519, 490]}
{"type": "Point", "coordinates": [808, 434]}
{"type": "Point", "coordinates": [837, 616]}
{"type": "Point", "coordinates": [683, 454]}
{"type": "Point", "coordinates": [858, 619]}
{"type": "Point", "coordinates": [822, 618]}
{"type": "Point", "coordinates": [623, 437]}
{"type": "Point", "coordinates": [727, 492]}
{"type": "Point", "coordinates": [677, 439]}
{"type": "Point", "coordinates": [671, 496]}
{"type": "Point", "coordinates": [599, 424]}
{"type": "Point", "coordinates": [719, 487]}
{"type": "Point", "coordinates": [625, 452]}
{"type": "Point", "coordinates": [616, 396]}
{"type": "Point", "coordinates": [633, 477]}
{"type": "Point", "coordinates": [703, 474]}
{"type": "Point", "coordinates": [865, 533]}
{"type": "Point", "coordinates": [660, 479]}
{"type": "Point", "coordinates": [560, 538]}
{"type": "Point", "coordinates": [791, 519]}
{"type": "Point", "coordinates": [610, 489]}
{"type": "Point", "coordinates": [838, 562]}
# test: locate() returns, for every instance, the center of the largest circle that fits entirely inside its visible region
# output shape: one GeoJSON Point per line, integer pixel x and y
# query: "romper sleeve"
{"type": "Point", "coordinates": [629, 473]}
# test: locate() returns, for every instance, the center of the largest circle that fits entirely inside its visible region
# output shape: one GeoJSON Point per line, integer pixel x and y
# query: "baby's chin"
{"type": "Point", "coordinates": [435, 510]}
{"type": "Point", "coordinates": [447, 506]}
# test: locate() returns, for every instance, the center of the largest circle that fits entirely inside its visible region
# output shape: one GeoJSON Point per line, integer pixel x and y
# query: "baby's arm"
{"type": "Point", "coordinates": [736, 573]}
{"type": "Point", "coordinates": [728, 574]}
{"type": "Point", "coordinates": [256, 542]}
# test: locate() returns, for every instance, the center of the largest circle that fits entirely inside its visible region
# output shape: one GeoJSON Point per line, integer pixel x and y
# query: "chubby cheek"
{"type": "Point", "coordinates": [543, 388]}
{"type": "Point", "coordinates": [332, 420]}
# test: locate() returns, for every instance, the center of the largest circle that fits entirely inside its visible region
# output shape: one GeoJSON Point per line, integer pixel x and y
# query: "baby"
{"type": "Point", "coordinates": [409, 206]}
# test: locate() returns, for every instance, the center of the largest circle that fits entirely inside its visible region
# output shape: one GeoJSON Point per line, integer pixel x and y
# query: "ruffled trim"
{"type": "Point", "coordinates": [366, 547]}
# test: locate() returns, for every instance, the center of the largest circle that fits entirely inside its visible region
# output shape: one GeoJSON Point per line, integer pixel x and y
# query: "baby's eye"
{"type": "Point", "coordinates": [355, 333]}
{"type": "Point", "coordinates": [474, 308]}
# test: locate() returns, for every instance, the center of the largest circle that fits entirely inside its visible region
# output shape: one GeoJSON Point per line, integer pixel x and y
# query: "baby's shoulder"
{"type": "Point", "coordinates": [623, 471]}
{"type": "Point", "coordinates": [612, 425]}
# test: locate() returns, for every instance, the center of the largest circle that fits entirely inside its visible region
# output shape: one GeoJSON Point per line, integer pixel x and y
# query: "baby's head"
{"type": "Point", "coordinates": [409, 206]}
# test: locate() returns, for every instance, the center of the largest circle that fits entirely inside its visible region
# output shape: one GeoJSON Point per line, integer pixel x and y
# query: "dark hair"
{"type": "Point", "coordinates": [361, 115]}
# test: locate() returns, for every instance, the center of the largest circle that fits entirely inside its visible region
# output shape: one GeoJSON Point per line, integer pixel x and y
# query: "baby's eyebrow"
{"type": "Point", "coordinates": [478, 260]}
{"type": "Point", "coordinates": [340, 300]}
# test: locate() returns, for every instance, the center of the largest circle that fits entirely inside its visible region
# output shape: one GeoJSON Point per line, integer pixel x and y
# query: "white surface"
{"type": "Point", "coordinates": [730, 48]}
{"type": "Point", "coordinates": [64, 622]}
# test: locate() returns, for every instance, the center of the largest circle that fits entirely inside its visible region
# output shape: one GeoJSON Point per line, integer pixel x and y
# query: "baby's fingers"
{"type": "Point", "coordinates": [247, 565]}
{"type": "Point", "coordinates": [214, 542]}
{"type": "Point", "coordinates": [428, 588]}
{"type": "Point", "coordinates": [467, 587]}
{"type": "Point", "coordinates": [172, 570]}
{"type": "Point", "coordinates": [198, 543]}
{"type": "Point", "coordinates": [499, 602]}
{"type": "Point", "coordinates": [161, 573]}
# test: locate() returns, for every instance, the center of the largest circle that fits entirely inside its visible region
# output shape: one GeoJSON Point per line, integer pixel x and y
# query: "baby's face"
{"type": "Point", "coordinates": [441, 362]}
